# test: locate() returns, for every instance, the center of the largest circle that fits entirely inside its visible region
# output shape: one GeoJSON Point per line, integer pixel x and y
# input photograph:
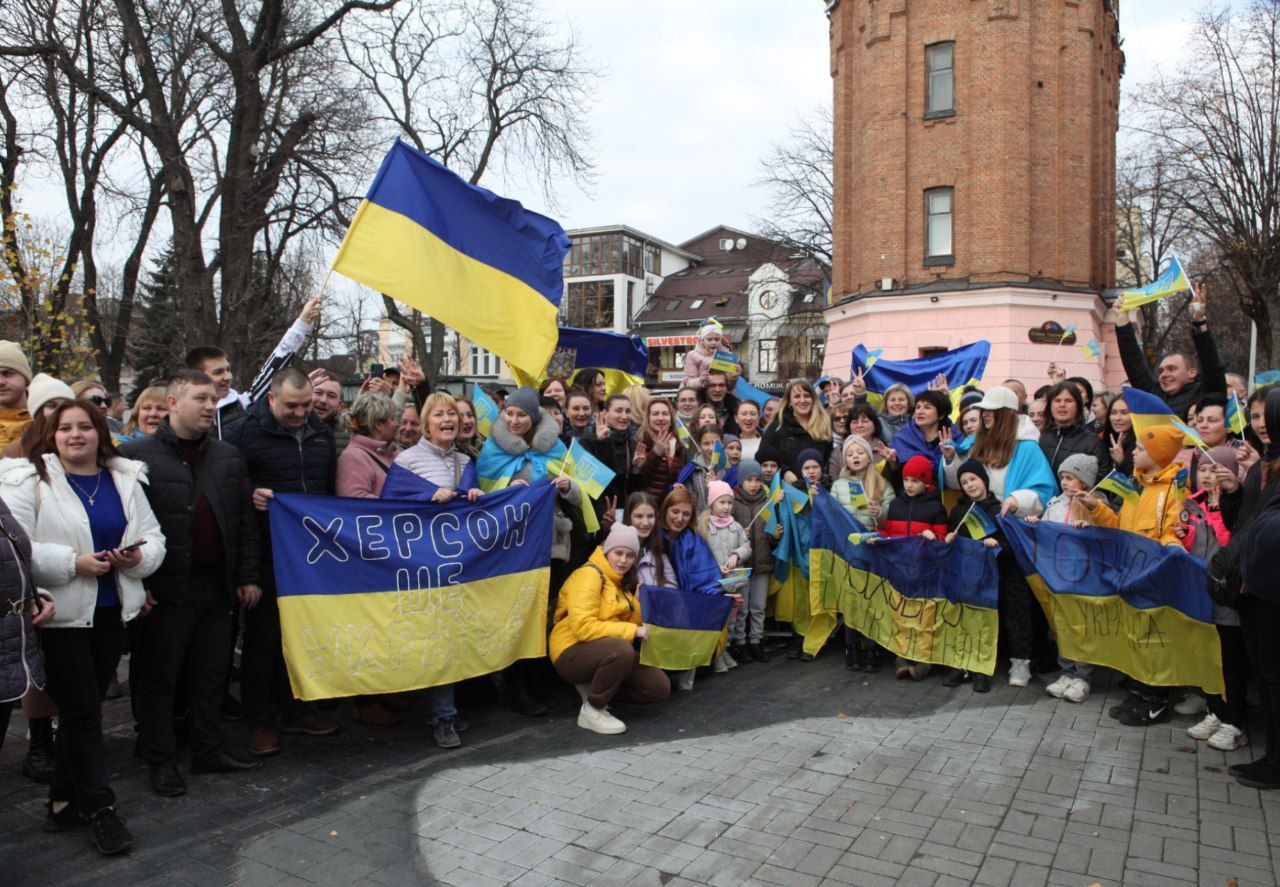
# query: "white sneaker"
{"type": "Point", "coordinates": [1206, 728]}
{"type": "Point", "coordinates": [684, 679]}
{"type": "Point", "coordinates": [1059, 687]}
{"type": "Point", "coordinates": [1192, 705]}
{"type": "Point", "coordinates": [1019, 672]}
{"type": "Point", "coordinates": [1078, 691]}
{"type": "Point", "coordinates": [598, 720]}
{"type": "Point", "coordinates": [583, 690]}
{"type": "Point", "coordinates": [719, 666]}
{"type": "Point", "coordinates": [728, 660]}
{"type": "Point", "coordinates": [1228, 738]}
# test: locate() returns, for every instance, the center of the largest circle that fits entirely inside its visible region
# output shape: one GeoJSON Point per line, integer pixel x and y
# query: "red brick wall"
{"type": "Point", "coordinates": [1030, 151]}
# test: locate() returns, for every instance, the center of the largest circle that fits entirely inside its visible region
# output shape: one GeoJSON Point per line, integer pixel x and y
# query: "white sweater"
{"type": "Point", "coordinates": [58, 525]}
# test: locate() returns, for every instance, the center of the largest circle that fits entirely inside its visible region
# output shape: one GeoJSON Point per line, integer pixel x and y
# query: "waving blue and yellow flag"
{"type": "Point", "coordinates": [961, 366]}
{"type": "Point", "coordinates": [384, 596]}
{"type": "Point", "coordinates": [1121, 485]}
{"type": "Point", "coordinates": [1122, 600]}
{"type": "Point", "coordinates": [1172, 280]}
{"type": "Point", "coordinates": [486, 410]}
{"type": "Point", "coordinates": [481, 264]}
{"type": "Point", "coordinates": [623, 359]}
{"type": "Point", "coordinates": [590, 473]}
{"type": "Point", "coordinates": [978, 523]}
{"type": "Point", "coordinates": [1236, 419]}
{"type": "Point", "coordinates": [685, 628]}
{"type": "Point", "coordinates": [923, 600]}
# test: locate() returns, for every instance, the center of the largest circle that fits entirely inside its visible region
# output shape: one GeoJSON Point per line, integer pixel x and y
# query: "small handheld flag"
{"type": "Point", "coordinates": [1121, 485]}
{"type": "Point", "coordinates": [1181, 481]}
{"type": "Point", "coordinates": [1189, 434]}
{"type": "Point", "coordinates": [1235, 416]}
{"type": "Point", "coordinates": [857, 493]}
{"type": "Point", "coordinates": [1093, 349]}
{"type": "Point", "coordinates": [872, 356]}
{"type": "Point", "coordinates": [590, 473]}
{"type": "Point", "coordinates": [719, 458]}
{"type": "Point", "coordinates": [725, 362]}
{"type": "Point", "coordinates": [734, 578]}
{"type": "Point", "coordinates": [1267, 377]}
{"type": "Point", "coordinates": [486, 410]}
{"type": "Point", "coordinates": [978, 523]}
{"type": "Point", "coordinates": [685, 438]}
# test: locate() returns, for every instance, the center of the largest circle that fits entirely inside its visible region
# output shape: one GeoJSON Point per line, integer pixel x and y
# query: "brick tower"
{"type": "Point", "coordinates": [974, 178]}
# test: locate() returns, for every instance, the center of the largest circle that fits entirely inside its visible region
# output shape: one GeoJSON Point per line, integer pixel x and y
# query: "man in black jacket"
{"type": "Point", "coordinates": [724, 403]}
{"type": "Point", "coordinates": [289, 449]}
{"type": "Point", "coordinates": [199, 489]}
{"type": "Point", "coordinates": [1181, 378]}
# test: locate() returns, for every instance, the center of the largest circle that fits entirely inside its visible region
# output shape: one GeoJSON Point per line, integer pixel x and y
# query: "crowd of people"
{"type": "Point", "coordinates": [149, 535]}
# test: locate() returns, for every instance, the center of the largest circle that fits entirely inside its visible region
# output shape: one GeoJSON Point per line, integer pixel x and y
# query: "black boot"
{"type": "Point", "coordinates": [513, 690]}
{"type": "Point", "coordinates": [757, 652]}
{"type": "Point", "coordinates": [39, 766]}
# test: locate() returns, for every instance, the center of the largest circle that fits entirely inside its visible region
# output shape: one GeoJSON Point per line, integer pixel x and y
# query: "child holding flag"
{"type": "Point", "coordinates": [1153, 514]}
{"type": "Point", "coordinates": [1077, 475]}
{"type": "Point", "coordinates": [697, 363]}
{"type": "Point", "coordinates": [976, 516]}
{"type": "Point", "coordinates": [863, 493]}
{"type": "Point", "coordinates": [749, 510]}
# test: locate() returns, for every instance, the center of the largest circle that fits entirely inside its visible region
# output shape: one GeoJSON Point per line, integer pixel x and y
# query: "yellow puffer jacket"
{"type": "Point", "coordinates": [12, 422]}
{"type": "Point", "coordinates": [1155, 514]}
{"type": "Point", "coordinates": [592, 605]}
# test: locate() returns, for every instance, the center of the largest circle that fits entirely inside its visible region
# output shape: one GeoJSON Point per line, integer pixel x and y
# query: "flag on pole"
{"type": "Point", "coordinates": [1173, 281]}
{"type": "Point", "coordinates": [857, 493]}
{"type": "Point", "coordinates": [1093, 349]}
{"type": "Point", "coordinates": [481, 264]}
{"type": "Point", "coordinates": [1236, 420]}
{"type": "Point", "coordinates": [719, 458]}
{"type": "Point", "coordinates": [590, 473]}
{"type": "Point", "coordinates": [1121, 485]}
{"type": "Point", "coordinates": [1189, 434]}
{"type": "Point", "coordinates": [978, 523]}
{"type": "Point", "coordinates": [685, 438]}
{"type": "Point", "coordinates": [486, 410]}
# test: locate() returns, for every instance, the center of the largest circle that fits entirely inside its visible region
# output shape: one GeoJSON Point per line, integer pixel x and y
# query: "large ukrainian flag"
{"type": "Point", "coordinates": [1122, 600]}
{"type": "Point", "coordinates": [685, 628]}
{"type": "Point", "coordinates": [481, 264]}
{"type": "Point", "coordinates": [925, 601]}
{"type": "Point", "coordinates": [962, 366]}
{"type": "Point", "coordinates": [383, 596]}
{"type": "Point", "coordinates": [623, 359]}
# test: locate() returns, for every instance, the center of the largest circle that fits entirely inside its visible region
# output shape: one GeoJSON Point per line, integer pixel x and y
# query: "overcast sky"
{"type": "Point", "coordinates": [696, 92]}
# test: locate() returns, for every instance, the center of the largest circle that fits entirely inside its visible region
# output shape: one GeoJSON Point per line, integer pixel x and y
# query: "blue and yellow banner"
{"type": "Point", "coordinates": [383, 596]}
{"type": "Point", "coordinates": [623, 359]}
{"type": "Point", "coordinates": [961, 366]}
{"type": "Point", "coordinates": [1171, 282]}
{"type": "Point", "coordinates": [685, 628]}
{"type": "Point", "coordinates": [481, 264]}
{"type": "Point", "coordinates": [1122, 600]}
{"type": "Point", "coordinates": [922, 600]}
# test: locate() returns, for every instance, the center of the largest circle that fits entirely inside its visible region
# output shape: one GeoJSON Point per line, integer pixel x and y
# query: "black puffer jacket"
{"type": "Point", "coordinates": [20, 664]}
{"type": "Point", "coordinates": [221, 477]}
{"type": "Point", "coordinates": [1058, 443]}
{"type": "Point", "coordinates": [791, 439]}
{"type": "Point", "coordinates": [1212, 377]}
{"type": "Point", "coordinates": [280, 461]}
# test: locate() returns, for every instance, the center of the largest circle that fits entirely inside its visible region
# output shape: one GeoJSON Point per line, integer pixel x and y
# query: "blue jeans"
{"type": "Point", "coordinates": [441, 699]}
{"type": "Point", "coordinates": [1081, 670]}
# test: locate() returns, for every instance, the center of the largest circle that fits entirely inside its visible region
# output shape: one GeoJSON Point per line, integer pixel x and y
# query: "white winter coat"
{"type": "Point", "coordinates": [58, 525]}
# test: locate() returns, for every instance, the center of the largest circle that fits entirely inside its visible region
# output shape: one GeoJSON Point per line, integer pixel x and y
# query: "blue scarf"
{"type": "Point", "coordinates": [910, 442]}
{"type": "Point", "coordinates": [496, 468]}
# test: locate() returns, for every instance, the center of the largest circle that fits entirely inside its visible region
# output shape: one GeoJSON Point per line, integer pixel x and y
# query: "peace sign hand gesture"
{"type": "Point", "coordinates": [1199, 303]}
{"type": "Point", "coordinates": [946, 441]}
{"type": "Point", "coordinates": [859, 382]}
{"type": "Point", "coordinates": [1117, 448]}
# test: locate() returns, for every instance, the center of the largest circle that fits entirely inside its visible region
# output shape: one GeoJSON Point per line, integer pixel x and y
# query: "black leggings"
{"type": "Point", "coordinates": [1016, 603]}
{"type": "Point", "coordinates": [79, 664]}
{"type": "Point", "coordinates": [1235, 677]}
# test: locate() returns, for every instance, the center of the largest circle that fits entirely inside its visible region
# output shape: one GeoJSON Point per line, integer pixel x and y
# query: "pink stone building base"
{"type": "Point", "coordinates": [905, 325]}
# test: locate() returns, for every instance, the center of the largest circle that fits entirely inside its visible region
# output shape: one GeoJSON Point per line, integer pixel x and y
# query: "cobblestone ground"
{"type": "Point", "coordinates": [780, 773]}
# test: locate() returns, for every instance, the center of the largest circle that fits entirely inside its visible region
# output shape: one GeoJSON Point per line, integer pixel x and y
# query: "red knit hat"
{"type": "Point", "coordinates": [921, 469]}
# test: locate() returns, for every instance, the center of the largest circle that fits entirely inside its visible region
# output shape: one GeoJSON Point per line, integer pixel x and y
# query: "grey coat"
{"type": "Point", "coordinates": [20, 664]}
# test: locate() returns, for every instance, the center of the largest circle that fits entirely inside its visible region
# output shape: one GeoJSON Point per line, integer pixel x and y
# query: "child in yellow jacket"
{"type": "Point", "coordinates": [1154, 515]}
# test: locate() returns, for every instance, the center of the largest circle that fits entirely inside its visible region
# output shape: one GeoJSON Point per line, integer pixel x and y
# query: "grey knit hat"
{"type": "Point", "coordinates": [1082, 466]}
{"type": "Point", "coordinates": [524, 399]}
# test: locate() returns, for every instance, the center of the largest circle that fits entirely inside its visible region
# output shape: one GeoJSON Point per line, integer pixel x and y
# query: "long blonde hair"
{"type": "Point", "coordinates": [819, 424]}
{"type": "Point", "coordinates": [872, 482]}
{"type": "Point", "coordinates": [993, 446]}
{"type": "Point", "coordinates": [637, 394]}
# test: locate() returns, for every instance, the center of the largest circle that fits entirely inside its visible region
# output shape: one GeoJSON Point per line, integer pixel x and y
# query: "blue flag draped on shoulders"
{"type": "Point", "coordinates": [481, 264]}
{"type": "Point", "coordinates": [384, 596]}
{"type": "Point", "coordinates": [401, 483]}
{"type": "Point", "coordinates": [1122, 600]}
{"type": "Point", "coordinates": [496, 468]}
{"type": "Point", "coordinates": [961, 366]}
{"type": "Point", "coordinates": [924, 600]}
{"type": "Point", "coordinates": [685, 629]}
{"type": "Point", "coordinates": [624, 359]}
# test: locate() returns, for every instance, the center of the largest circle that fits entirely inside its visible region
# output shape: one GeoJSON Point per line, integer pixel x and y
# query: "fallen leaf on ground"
{"type": "Point", "coordinates": [843, 715]}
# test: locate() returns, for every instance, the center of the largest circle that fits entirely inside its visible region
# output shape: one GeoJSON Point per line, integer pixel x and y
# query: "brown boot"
{"type": "Point", "coordinates": [373, 714]}
{"type": "Point", "coordinates": [263, 742]}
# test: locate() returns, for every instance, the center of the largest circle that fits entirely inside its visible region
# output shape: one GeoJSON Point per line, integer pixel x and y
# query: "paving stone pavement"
{"type": "Point", "coordinates": [782, 773]}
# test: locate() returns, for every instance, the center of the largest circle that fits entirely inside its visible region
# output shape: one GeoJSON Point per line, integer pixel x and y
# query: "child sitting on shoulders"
{"type": "Point", "coordinates": [863, 493]}
{"type": "Point", "coordinates": [697, 363]}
